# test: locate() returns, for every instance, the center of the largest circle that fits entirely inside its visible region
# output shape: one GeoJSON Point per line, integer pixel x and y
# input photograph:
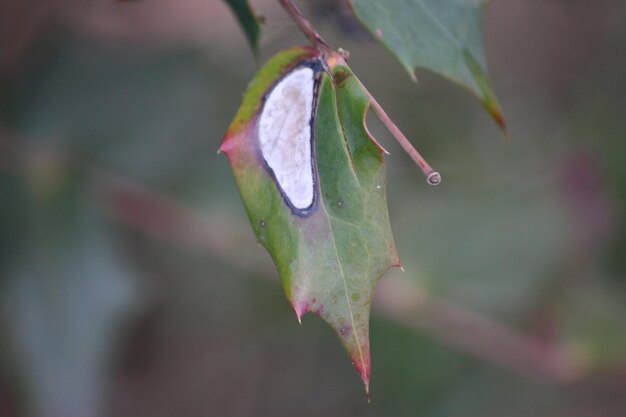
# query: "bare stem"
{"type": "Point", "coordinates": [305, 26]}
{"type": "Point", "coordinates": [432, 176]}
{"type": "Point", "coordinates": [476, 334]}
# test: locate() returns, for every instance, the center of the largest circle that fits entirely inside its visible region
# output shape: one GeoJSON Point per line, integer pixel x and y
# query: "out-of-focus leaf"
{"type": "Point", "coordinates": [443, 36]}
{"type": "Point", "coordinates": [248, 20]}
{"type": "Point", "coordinates": [150, 126]}
{"type": "Point", "coordinates": [69, 292]}
{"type": "Point", "coordinates": [330, 259]}
{"type": "Point", "coordinates": [11, 221]}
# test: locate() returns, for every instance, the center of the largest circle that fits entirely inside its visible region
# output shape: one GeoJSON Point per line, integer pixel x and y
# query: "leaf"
{"type": "Point", "coordinates": [443, 36]}
{"type": "Point", "coordinates": [330, 260]}
{"type": "Point", "coordinates": [70, 296]}
{"type": "Point", "coordinates": [248, 20]}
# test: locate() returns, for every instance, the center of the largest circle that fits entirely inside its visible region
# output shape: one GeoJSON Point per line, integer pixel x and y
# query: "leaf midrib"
{"type": "Point", "coordinates": [345, 286]}
{"type": "Point", "coordinates": [332, 234]}
{"type": "Point", "coordinates": [433, 17]}
{"type": "Point", "coordinates": [440, 24]}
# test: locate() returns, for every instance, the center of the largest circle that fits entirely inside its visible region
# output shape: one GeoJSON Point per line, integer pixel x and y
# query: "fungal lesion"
{"type": "Point", "coordinates": [286, 136]}
{"type": "Point", "coordinates": [340, 76]}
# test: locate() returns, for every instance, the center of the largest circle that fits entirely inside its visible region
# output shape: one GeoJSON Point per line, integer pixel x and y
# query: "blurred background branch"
{"type": "Point", "coordinates": [163, 218]}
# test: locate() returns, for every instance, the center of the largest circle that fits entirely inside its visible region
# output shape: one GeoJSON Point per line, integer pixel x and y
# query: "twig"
{"type": "Point", "coordinates": [476, 334]}
{"type": "Point", "coordinates": [432, 177]}
{"type": "Point", "coordinates": [305, 26]}
{"type": "Point", "coordinates": [156, 215]}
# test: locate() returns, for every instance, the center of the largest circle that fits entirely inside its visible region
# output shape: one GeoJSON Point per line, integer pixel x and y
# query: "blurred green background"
{"type": "Point", "coordinates": [131, 283]}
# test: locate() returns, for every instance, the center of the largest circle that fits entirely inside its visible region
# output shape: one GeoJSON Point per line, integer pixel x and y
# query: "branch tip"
{"type": "Point", "coordinates": [434, 178]}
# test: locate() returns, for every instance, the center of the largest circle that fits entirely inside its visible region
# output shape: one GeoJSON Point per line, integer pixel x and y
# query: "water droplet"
{"type": "Point", "coordinates": [378, 187]}
{"type": "Point", "coordinates": [262, 223]}
{"type": "Point", "coordinates": [434, 178]}
{"type": "Point", "coordinates": [339, 203]}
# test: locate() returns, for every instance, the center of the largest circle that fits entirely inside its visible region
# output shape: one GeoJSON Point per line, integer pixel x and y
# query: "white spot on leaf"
{"type": "Point", "coordinates": [285, 136]}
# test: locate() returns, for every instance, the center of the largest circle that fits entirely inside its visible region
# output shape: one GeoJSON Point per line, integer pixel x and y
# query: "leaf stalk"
{"type": "Point", "coordinates": [432, 177]}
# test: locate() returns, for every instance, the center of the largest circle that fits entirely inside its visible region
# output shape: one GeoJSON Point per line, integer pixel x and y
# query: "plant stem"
{"type": "Point", "coordinates": [305, 26]}
{"type": "Point", "coordinates": [432, 176]}
{"type": "Point", "coordinates": [476, 334]}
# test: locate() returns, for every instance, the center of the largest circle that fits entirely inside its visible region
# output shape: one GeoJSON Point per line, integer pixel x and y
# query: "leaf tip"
{"type": "Point", "coordinates": [412, 70]}
{"type": "Point", "coordinates": [484, 90]}
{"type": "Point", "coordinates": [227, 144]}
{"type": "Point", "coordinates": [363, 369]}
{"type": "Point", "coordinates": [492, 107]}
{"type": "Point", "coordinates": [300, 308]}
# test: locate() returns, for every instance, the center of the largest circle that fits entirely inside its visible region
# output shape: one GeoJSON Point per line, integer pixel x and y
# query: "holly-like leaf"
{"type": "Point", "coordinates": [249, 21]}
{"type": "Point", "coordinates": [443, 36]}
{"type": "Point", "coordinates": [331, 255]}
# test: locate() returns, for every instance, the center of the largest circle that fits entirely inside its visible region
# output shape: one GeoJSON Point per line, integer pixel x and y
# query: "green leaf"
{"type": "Point", "coordinates": [330, 260]}
{"type": "Point", "coordinates": [443, 36]}
{"type": "Point", "coordinates": [249, 21]}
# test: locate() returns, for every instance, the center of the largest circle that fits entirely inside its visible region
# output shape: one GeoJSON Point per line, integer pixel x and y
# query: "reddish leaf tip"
{"type": "Point", "coordinates": [363, 369]}
{"type": "Point", "coordinates": [300, 308]}
{"type": "Point", "coordinates": [499, 119]}
{"type": "Point", "coordinates": [490, 104]}
{"type": "Point", "coordinates": [226, 145]}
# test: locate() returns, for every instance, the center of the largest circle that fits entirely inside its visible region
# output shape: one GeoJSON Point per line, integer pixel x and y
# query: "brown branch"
{"type": "Point", "coordinates": [305, 26]}
{"type": "Point", "coordinates": [432, 177]}
{"type": "Point", "coordinates": [476, 334]}
{"type": "Point", "coordinates": [151, 213]}
{"type": "Point", "coordinates": [222, 235]}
